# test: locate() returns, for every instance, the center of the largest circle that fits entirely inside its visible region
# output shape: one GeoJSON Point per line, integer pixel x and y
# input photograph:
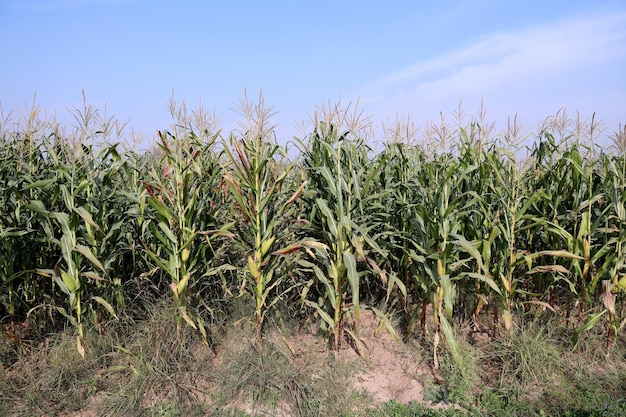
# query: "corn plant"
{"type": "Point", "coordinates": [13, 255]}
{"type": "Point", "coordinates": [344, 210]}
{"type": "Point", "coordinates": [442, 212]}
{"type": "Point", "coordinates": [80, 275]}
{"type": "Point", "coordinates": [181, 214]}
{"type": "Point", "coordinates": [607, 257]}
{"type": "Point", "coordinates": [255, 178]}
{"type": "Point", "coordinates": [403, 222]}
{"type": "Point", "coordinates": [22, 163]}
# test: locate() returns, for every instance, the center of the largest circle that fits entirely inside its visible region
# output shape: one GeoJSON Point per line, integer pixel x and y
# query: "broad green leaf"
{"type": "Point", "coordinates": [330, 290]}
{"type": "Point", "coordinates": [164, 212]}
{"type": "Point", "coordinates": [164, 240]}
{"type": "Point", "coordinates": [82, 212]}
{"type": "Point", "coordinates": [353, 278]}
{"type": "Point", "coordinates": [37, 207]}
{"type": "Point", "coordinates": [394, 281]}
{"type": "Point", "coordinates": [471, 250]}
{"type": "Point", "coordinates": [190, 239]}
{"type": "Point", "coordinates": [168, 232]}
{"type": "Point", "coordinates": [105, 304]}
{"type": "Point", "coordinates": [548, 268]}
{"type": "Point", "coordinates": [484, 278]}
{"type": "Point", "coordinates": [162, 263]}
{"type": "Point", "coordinates": [591, 321]}
{"type": "Point", "coordinates": [64, 221]}
{"type": "Point", "coordinates": [449, 294]}
{"type": "Point", "coordinates": [41, 184]}
{"type": "Point", "coordinates": [453, 345]}
{"type": "Point", "coordinates": [12, 232]}
{"type": "Point", "coordinates": [68, 198]}
{"type": "Point", "coordinates": [324, 315]}
{"type": "Point", "coordinates": [555, 253]}
{"type": "Point", "coordinates": [328, 215]}
{"type": "Point", "coordinates": [87, 253]}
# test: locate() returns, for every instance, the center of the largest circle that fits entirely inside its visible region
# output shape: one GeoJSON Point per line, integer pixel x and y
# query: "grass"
{"type": "Point", "coordinates": [535, 371]}
{"type": "Point", "coordinates": [147, 368]}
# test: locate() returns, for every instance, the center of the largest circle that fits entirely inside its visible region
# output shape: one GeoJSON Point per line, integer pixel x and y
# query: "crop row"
{"type": "Point", "coordinates": [458, 228]}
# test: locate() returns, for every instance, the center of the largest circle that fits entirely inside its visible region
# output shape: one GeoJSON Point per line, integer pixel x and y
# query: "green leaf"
{"type": "Point", "coordinates": [82, 212]}
{"type": "Point", "coordinates": [453, 345]}
{"type": "Point", "coordinates": [87, 253]}
{"type": "Point", "coordinates": [64, 221]}
{"type": "Point", "coordinates": [67, 248]}
{"type": "Point", "coordinates": [38, 207]}
{"type": "Point", "coordinates": [471, 250]}
{"type": "Point", "coordinates": [164, 213]}
{"type": "Point", "coordinates": [41, 184]}
{"type": "Point", "coordinates": [589, 323]}
{"type": "Point", "coordinates": [449, 294]}
{"type": "Point", "coordinates": [168, 232]}
{"type": "Point", "coordinates": [330, 219]}
{"type": "Point", "coordinates": [162, 263]}
{"type": "Point", "coordinates": [353, 279]}
{"type": "Point", "coordinates": [324, 315]}
{"type": "Point", "coordinates": [330, 290]}
{"type": "Point", "coordinates": [190, 239]}
{"type": "Point", "coordinates": [484, 278]}
{"type": "Point", "coordinates": [330, 181]}
{"type": "Point", "coordinates": [105, 304]}
{"type": "Point", "coordinates": [155, 231]}
{"type": "Point", "coordinates": [556, 253]}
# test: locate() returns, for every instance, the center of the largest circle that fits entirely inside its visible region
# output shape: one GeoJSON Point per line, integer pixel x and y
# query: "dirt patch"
{"type": "Point", "coordinates": [393, 372]}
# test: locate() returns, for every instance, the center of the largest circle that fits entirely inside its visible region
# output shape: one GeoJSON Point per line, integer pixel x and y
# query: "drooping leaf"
{"type": "Point", "coordinates": [591, 321]}
{"type": "Point", "coordinates": [87, 253]}
{"type": "Point", "coordinates": [353, 278]}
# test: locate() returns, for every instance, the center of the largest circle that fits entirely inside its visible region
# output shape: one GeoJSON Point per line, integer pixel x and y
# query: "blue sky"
{"type": "Point", "coordinates": [415, 58]}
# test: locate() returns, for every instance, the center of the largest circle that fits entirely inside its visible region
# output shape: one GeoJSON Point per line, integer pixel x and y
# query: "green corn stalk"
{"type": "Point", "coordinates": [402, 222]}
{"type": "Point", "coordinates": [508, 219]}
{"type": "Point", "coordinates": [339, 172]}
{"type": "Point", "coordinates": [21, 163]}
{"type": "Point", "coordinates": [182, 219]}
{"type": "Point", "coordinates": [610, 256]}
{"type": "Point", "coordinates": [256, 179]}
{"type": "Point", "coordinates": [75, 275]}
{"type": "Point", "coordinates": [569, 210]}
{"type": "Point", "coordinates": [9, 277]}
{"type": "Point", "coordinates": [441, 210]}
{"type": "Point", "coordinates": [74, 193]}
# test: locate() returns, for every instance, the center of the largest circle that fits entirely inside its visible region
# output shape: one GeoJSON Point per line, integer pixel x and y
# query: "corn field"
{"type": "Point", "coordinates": [458, 225]}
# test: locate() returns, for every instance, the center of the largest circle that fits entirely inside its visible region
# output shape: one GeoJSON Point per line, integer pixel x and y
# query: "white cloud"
{"type": "Point", "coordinates": [537, 69]}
